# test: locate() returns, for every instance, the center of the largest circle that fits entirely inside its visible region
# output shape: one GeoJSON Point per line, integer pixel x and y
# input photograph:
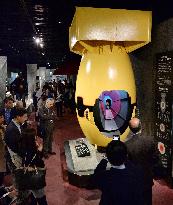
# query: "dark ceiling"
{"type": "Point", "coordinates": [21, 20]}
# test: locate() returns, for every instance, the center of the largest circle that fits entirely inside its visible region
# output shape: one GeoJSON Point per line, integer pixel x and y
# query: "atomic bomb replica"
{"type": "Point", "coordinates": [105, 81]}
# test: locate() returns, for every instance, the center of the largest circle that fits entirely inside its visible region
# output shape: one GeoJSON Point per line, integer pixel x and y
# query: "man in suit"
{"type": "Point", "coordinates": [121, 184]}
{"type": "Point", "coordinates": [47, 116]}
{"type": "Point", "coordinates": [7, 110]}
{"type": "Point", "coordinates": [13, 135]}
{"type": "Point", "coordinates": [13, 141]}
{"type": "Point", "coordinates": [20, 88]}
{"type": "Point", "coordinates": [142, 152]}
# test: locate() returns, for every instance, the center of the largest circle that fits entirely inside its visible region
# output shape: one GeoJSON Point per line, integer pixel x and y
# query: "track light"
{"type": "Point", "coordinates": [37, 40]}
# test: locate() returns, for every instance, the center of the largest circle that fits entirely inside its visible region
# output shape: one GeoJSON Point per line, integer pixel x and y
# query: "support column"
{"type": "Point", "coordinates": [49, 74]}
{"type": "Point", "coordinates": [47, 77]}
{"type": "Point", "coordinates": [42, 74]}
{"type": "Point", "coordinates": [31, 78]}
{"type": "Point", "coordinates": [3, 77]}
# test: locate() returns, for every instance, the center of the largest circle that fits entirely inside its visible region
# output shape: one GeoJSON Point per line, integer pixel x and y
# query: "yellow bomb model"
{"type": "Point", "coordinates": [104, 37]}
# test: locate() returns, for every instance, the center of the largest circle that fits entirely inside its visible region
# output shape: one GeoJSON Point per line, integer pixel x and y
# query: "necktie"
{"type": "Point", "coordinates": [7, 116]}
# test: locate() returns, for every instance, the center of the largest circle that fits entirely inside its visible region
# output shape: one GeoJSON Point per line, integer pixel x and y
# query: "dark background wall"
{"type": "Point", "coordinates": [143, 61]}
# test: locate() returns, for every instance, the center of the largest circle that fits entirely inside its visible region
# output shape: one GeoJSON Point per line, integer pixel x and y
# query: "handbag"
{"type": "Point", "coordinates": [30, 178]}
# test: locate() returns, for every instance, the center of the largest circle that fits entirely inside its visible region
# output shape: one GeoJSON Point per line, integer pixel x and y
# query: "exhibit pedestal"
{"type": "Point", "coordinates": [80, 169]}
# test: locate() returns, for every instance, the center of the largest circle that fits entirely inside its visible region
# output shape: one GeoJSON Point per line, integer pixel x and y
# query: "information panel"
{"type": "Point", "coordinates": [163, 109]}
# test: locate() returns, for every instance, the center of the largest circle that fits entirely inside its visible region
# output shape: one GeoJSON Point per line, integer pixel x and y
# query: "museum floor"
{"type": "Point", "coordinates": [60, 192]}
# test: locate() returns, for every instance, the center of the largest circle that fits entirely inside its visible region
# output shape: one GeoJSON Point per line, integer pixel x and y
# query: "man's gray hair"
{"type": "Point", "coordinates": [49, 100]}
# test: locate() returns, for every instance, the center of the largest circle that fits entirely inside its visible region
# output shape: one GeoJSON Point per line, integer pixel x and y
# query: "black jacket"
{"type": "Point", "coordinates": [13, 137]}
{"type": "Point", "coordinates": [118, 186]}
{"type": "Point", "coordinates": [32, 158]}
{"type": "Point", "coordinates": [142, 152]}
{"type": "Point", "coordinates": [47, 117]}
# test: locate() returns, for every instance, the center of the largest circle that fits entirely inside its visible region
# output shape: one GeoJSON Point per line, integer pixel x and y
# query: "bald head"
{"type": "Point", "coordinates": [135, 125]}
{"type": "Point", "coordinates": [134, 122]}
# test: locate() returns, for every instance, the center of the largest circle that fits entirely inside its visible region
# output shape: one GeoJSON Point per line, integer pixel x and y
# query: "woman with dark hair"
{"type": "Point", "coordinates": [108, 103]}
{"type": "Point", "coordinates": [31, 154]}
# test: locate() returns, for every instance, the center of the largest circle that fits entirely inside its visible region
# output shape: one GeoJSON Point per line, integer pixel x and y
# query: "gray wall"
{"type": "Point", "coordinates": [143, 61]}
{"type": "Point", "coordinates": [3, 77]}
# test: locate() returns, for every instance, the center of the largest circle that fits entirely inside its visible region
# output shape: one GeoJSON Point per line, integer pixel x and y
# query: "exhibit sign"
{"type": "Point", "coordinates": [163, 110]}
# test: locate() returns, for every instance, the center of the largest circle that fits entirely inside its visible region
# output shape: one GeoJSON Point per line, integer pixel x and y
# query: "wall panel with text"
{"type": "Point", "coordinates": [163, 109]}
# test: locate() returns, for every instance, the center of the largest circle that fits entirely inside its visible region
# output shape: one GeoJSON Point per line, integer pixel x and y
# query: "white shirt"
{"type": "Point", "coordinates": [17, 125]}
{"type": "Point", "coordinates": [122, 166]}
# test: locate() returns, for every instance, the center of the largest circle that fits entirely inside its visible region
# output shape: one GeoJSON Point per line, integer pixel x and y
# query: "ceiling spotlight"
{"type": "Point", "coordinates": [33, 37]}
{"type": "Point", "coordinates": [59, 22]}
{"type": "Point", "coordinates": [37, 40]}
{"type": "Point", "coordinates": [43, 54]}
{"type": "Point", "coordinates": [41, 45]}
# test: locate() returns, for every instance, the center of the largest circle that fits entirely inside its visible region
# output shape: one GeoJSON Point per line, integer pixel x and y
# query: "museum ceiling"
{"type": "Point", "coordinates": [23, 21]}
